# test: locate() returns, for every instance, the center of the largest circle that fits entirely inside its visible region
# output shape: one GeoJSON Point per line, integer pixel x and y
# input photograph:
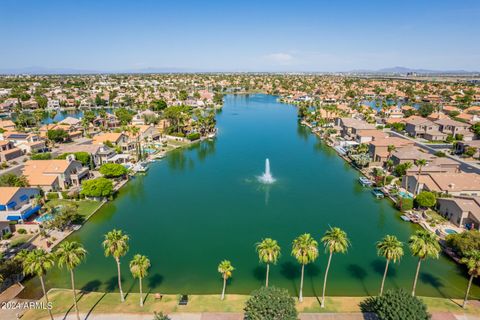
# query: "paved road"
{"type": "Point", "coordinates": [464, 165]}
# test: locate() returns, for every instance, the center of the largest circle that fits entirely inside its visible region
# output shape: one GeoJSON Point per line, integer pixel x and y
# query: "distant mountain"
{"type": "Point", "coordinates": [404, 70]}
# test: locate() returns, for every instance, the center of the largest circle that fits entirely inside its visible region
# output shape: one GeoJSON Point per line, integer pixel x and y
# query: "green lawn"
{"type": "Point", "coordinates": [85, 207]}
{"type": "Point", "coordinates": [98, 303]}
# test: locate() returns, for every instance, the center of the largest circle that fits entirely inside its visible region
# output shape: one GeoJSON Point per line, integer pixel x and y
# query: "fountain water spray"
{"type": "Point", "coordinates": [267, 177]}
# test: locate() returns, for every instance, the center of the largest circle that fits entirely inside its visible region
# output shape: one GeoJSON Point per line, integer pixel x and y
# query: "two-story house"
{"type": "Point", "coordinates": [16, 204]}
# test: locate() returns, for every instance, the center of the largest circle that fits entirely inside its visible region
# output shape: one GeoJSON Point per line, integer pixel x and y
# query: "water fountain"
{"type": "Point", "coordinates": [266, 177]}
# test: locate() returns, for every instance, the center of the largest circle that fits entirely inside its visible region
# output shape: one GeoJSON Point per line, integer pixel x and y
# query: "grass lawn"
{"type": "Point", "coordinates": [98, 303]}
{"type": "Point", "coordinates": [85, 207]}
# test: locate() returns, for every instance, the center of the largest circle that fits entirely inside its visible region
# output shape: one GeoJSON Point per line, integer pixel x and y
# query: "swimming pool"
{"type": "Point", "coordinates": [44, 218]}
{"type": "Point", "coordinates": [450, 231]}
{"type": "Point", "coordinates": [404, 194]}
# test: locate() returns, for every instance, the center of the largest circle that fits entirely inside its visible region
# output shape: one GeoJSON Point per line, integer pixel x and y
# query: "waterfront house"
{"type": "Point", "coordinates": [99, 153]}
{"type": "Point", "coordinates": [16, 204]}
{"type": "Point", "coordinates": [461, 211]}
{"type": "Point", "coordinates": [51, 175]}
{"type": "Point", "coordinates": [419, 127]}
{"type": "Point", "coordinates": [117, 139]}
{"type": "Point", "coordinates": [378, 148]}
{"type": "Point", "coordinates": [350, 127]}
{"type": "Point", "coordinates": [452, 183]}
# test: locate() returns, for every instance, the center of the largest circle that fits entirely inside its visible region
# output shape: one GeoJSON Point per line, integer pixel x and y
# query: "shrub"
{"type": "Point", "coordinates": [22, 231]}
{"type": "Point", "coordinates": [405, 204]}
{"type": "Point", "coordinates": [193, 136]}
{"type": "Point", "coordinates": [7, 235]}
{"type": "Point", "coordinates": [113, 170]}
{"type": "Point", "coordinates": [396, 305]}
{"type": "Point", "coordinates": [41, 156]}
{"type": "Point", "coordinates": [426, 199]}
{"type": "Point", "coordinates": [160, 316]}
{"type": "Point", "coordinates": [52, 195]}
{"type": "Point", "coordinates": [99, 187]}
{"type": "Point", "coordinates": [440, 154]}
{"type": "Point", "coordinates": [83, 157]}
{"type": "Point", "coordinates": [464, 242]}
{"type": "Point", "coordinates": [270, 304]}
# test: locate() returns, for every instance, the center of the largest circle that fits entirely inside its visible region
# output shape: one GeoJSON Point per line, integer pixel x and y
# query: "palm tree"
{"type": "Point", "coordinates": [116, 245]}
{"type": "Point", "coordinates": [472, 261]}
{"type": "Point", "coordinates": [391, 148]}
{"type": "Point", "coordinates": [135, 131]}
{"type": "Point", "coordinates": [419, 163]}
{"type": "Point", "coordinates": [305, 250]}
{"type": "Point", "coordinates": [37, 263]}
{"type": "Point", "coordinates": [391, 249]}
{"type": "Point", "coordinates": [225, 268]}
{"type": "Point", "coordinates": [139, 268]}
{"type": "Point", "coordinates": [70, 255]}
{"type": "Point", "coordinates": [423, 244]}
{"type": "Point", "coordinates": [334, 240]}
{"type": "Point", "coordinates": [268, 252]}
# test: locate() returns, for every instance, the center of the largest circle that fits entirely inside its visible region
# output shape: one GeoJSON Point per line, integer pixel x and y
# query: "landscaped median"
{"type": "Point", "coordinates": [102, 303]}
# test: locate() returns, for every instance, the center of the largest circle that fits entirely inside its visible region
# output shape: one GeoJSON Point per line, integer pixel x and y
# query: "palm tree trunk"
{"type": "Point", "coordinates": [384, 276]}
{"type": "Point", "coordinates": [268, 272]}
{"type": "Point", "coordinates": [46, 296]}
{"type": "Point", "coordinates": [224, 286]}
{"type": "Point", "coordinates": [141, 293]}
{"type": "Point", "coordinates": [417, 186]}
{"type": "Point", "coordinates": [72, 278]}
{"type": "Point", "coordinates": [300, 297]}
{"type": "Point", "coordinates": [122, 298]}
{"type": "Point", "coordinates": [468, 291]}
{"type": "Point", "coordinates": [325, 279]}
{"type": "Point", "coordinates": [416, 277]}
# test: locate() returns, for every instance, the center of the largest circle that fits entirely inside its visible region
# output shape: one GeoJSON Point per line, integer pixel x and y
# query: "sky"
{"type": "Point", "coordinates": [260, 35]}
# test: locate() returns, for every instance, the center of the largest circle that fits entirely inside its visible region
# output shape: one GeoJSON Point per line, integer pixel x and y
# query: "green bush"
{"type": "Point", "coordinates": [65, 195]}
{"type": "Point", "coordinates": [270, 304]}
{"type": "Point", "coordinates": [426, 199]}
{"type": "Point", "coordinates": [440, 154]}
{"type": "Point", "coordinates": [7, 235]}
{"type": "Point", "coordinates": [83, 157]}
{"type": "Point", "coordinates": [41, 156]}
{"type": "Point", "coordinates": [193, 136]}
{"type": "Point", "coordinates": [22, 231]}
{"type": "Point", "coordinates": [396, 305]}
{"type": "Point", "coordinates": [99, 187]}
{"type": "Point", "coordinates": [113, 170]}
{"type": "Point", "coordinates": [405, 204]}
{"type": "Point", "coordinates": [464, 242]}
{"type": "Point", "coordinates": [52, 195]}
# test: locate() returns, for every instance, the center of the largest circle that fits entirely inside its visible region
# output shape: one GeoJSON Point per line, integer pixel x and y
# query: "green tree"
{"type": "Point", "coordinates": [396, 305]}
{"type": "Point", "coordinates": [182, 95]}
{"type": "Point", "coordinates": [158, 105]}
{"type": "Point", "coordinates": [218, 98]}
{"type": "Point", "coordinates": [391, 148]}
{"type": "Point", "coordinates": [113, 170]}
{"type": "Point", "coordinates": [268, 252]}
{"type": "Point", "coordinates": [426, 199]}
{"type": "Point", "coordinates": [464, 242]}
{"type": "Point", "coordinates": [139, 268]}
{"type": "Point", "coordinates": [472, 262]}
{"type": "Point", "coordinates": [305, 250]}
{"type": "Point", "coordinates": [334, 240]}
{"type": "Point", "coordinates": [270, 303]}
{"type": "Point", "coordinates": [124, 116]}
{"type": "Point", "coordinates": [82, 156]}
{"type": "Point", "coordinates": [98, 187]}
{"type": "Point", "coordinates": [12, 180]}
{"type": "Point", "coordinates": [392, 250]}
{"type": "Point", "coordinates": [58, 135]}
{"type": "Point", "coordinates": [226, 269]}
{"type": "Point", "coordinates": [423, 245]}
{"type": "Point", "coordinates": [37, 263]}
{"type": "Point", "coordinates": [70, 255]}
{"type": "Point", "coordinates": [116, 245]}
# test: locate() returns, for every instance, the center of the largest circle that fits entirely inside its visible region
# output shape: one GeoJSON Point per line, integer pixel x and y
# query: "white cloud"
{"type": "Point", "coordinates": [280, 58]}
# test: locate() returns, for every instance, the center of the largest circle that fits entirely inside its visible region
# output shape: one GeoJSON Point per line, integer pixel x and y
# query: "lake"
{"type": "Point", "coordinates": [204, 204]}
